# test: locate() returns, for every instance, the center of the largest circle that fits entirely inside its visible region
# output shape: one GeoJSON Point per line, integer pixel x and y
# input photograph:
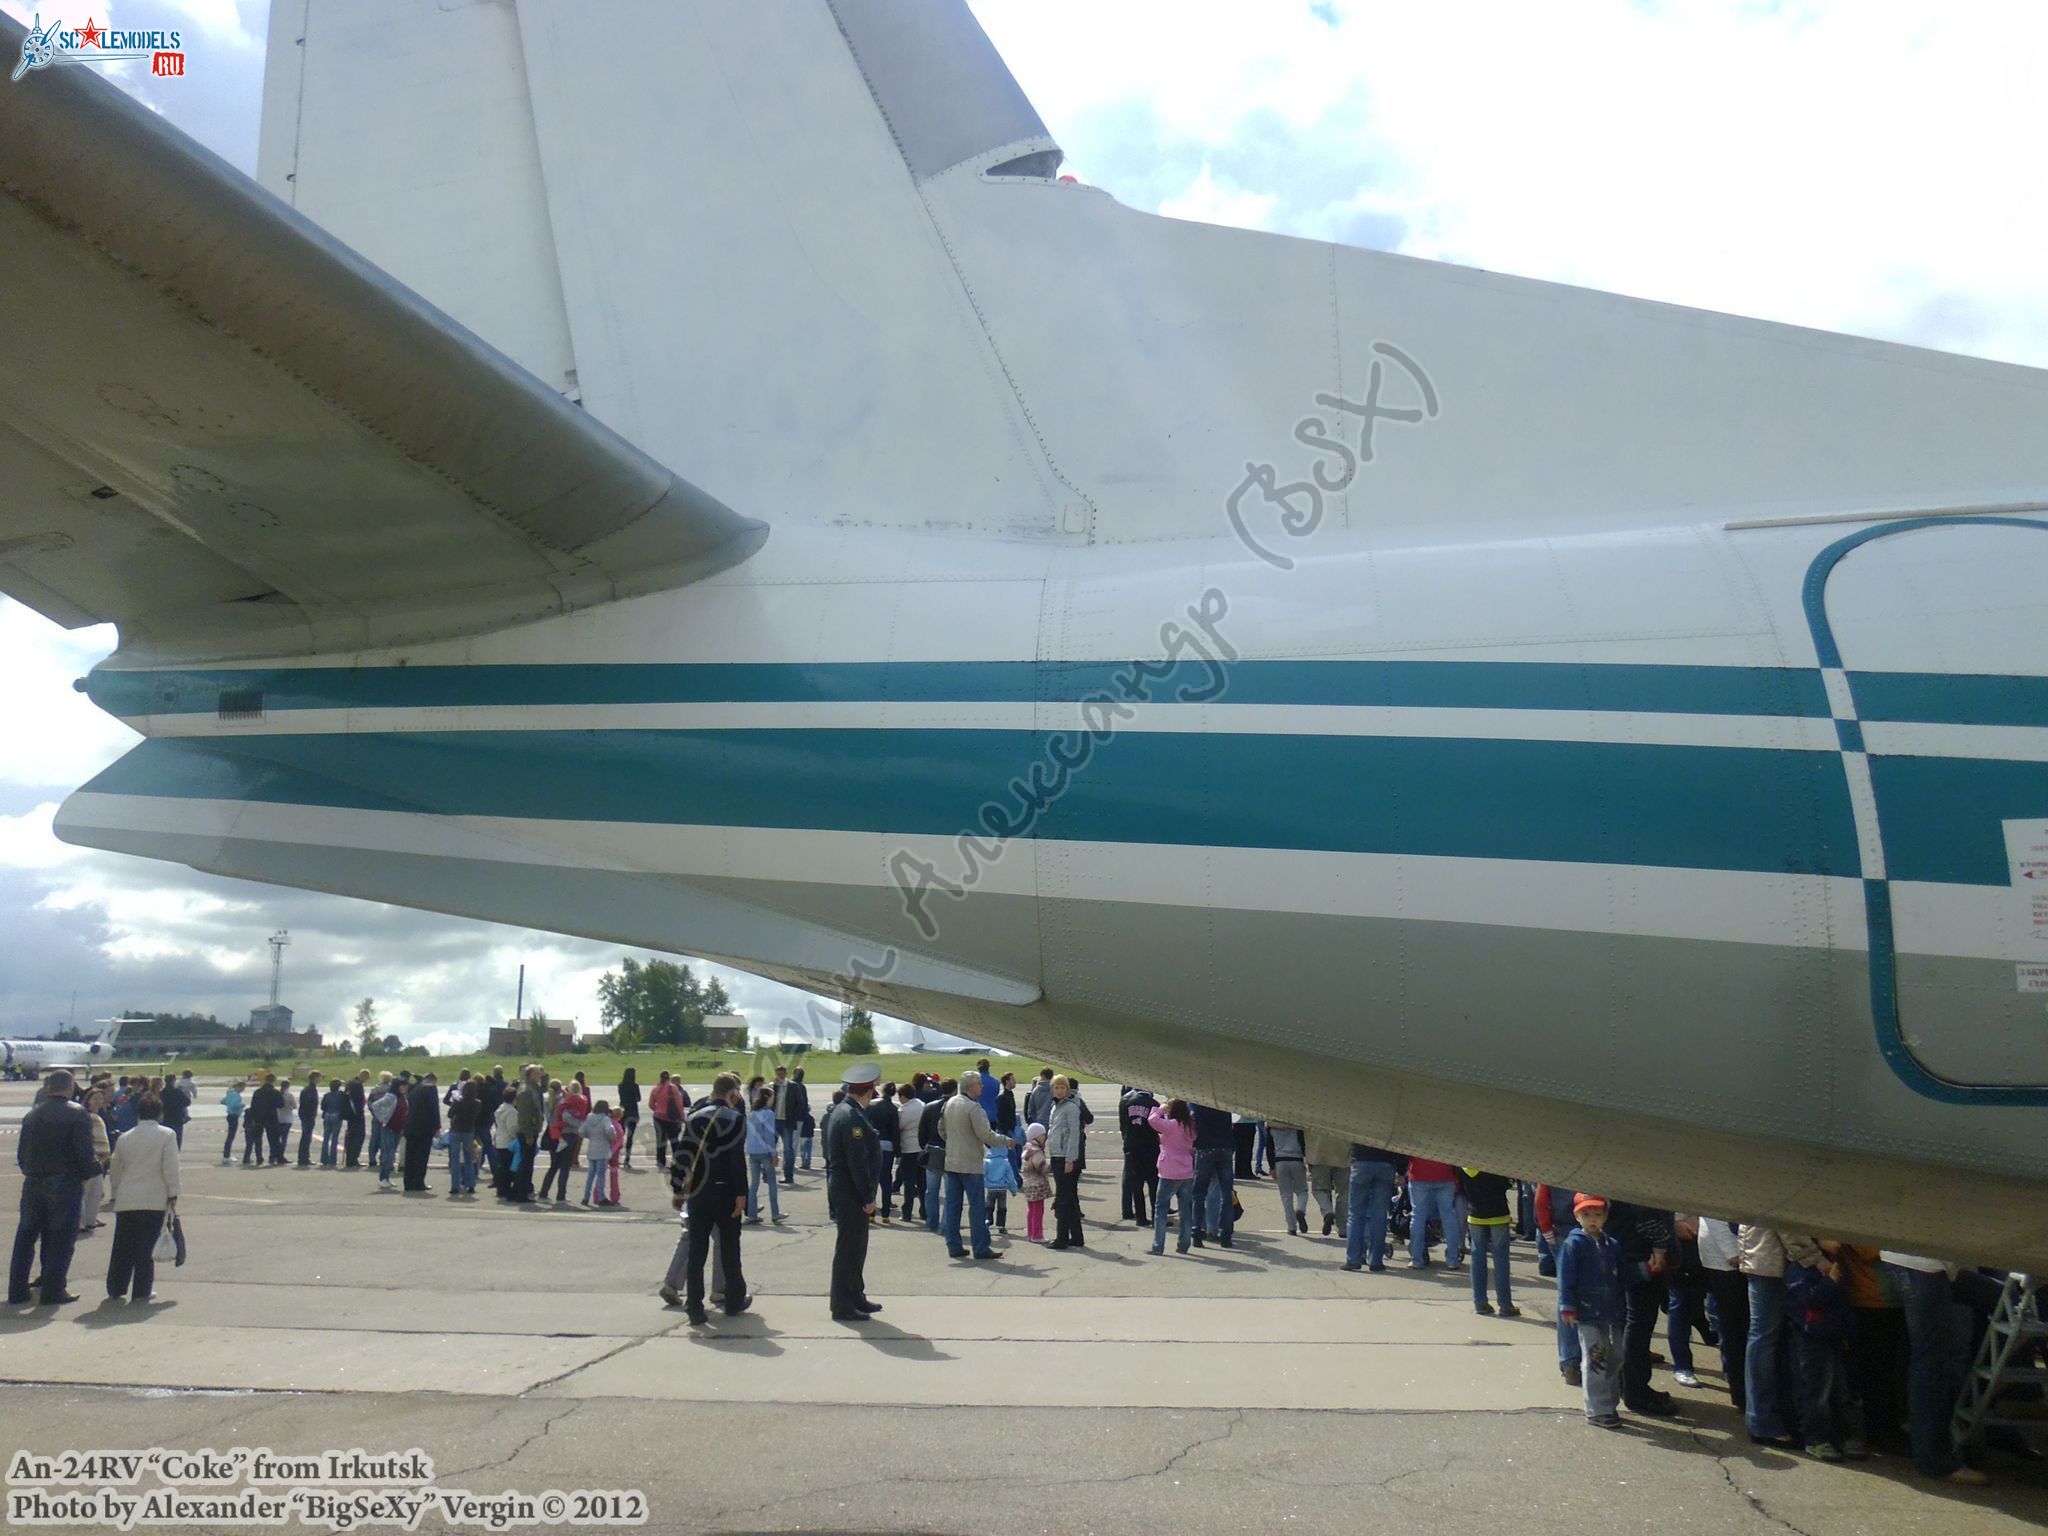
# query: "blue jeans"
{"type": "Point", "coordinates": [761, 1170]}
{"type": "Point", "coordinates": [330, 1139]}
{"type": "Point", "coordinates": [1678, 1302]}
{"type": "Point", "coordinates": [1600, 1359]}
{"type": "Point", "coordinates": [1490, 1246]}
{"type": "Point", "coordinates": [1436, 1198]}
{"type": "Point", "coordinates": [1932, 1384]}
{"type": "Point", "coordinates": [785, 1130]}
{"type": "Point", "coordinates": [594, 1181]}
{"type": "Point", "coordinates": [1215, 1173]}
{"type": "Point", "coordinates": [1371, 1197]}
{"type": "Point", "coordinates": [934, 1187]}
{"type": "Point", "coordinates": [806, 1142]}
{"type": "Point", "coordinates": [1763, 1363]}
{"type": "Point", "coordinates": [969, 1184]}
{"type": "Point", "coordinates": [1171, 1190]}
{"type": "Point", "coordinates": [387, 1152]}
{"type": "Point", "coordinates": [461, 1162]}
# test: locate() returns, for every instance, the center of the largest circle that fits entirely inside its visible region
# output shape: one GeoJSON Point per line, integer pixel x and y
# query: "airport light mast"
{"type": "Point", "coordinates": [278, 941]}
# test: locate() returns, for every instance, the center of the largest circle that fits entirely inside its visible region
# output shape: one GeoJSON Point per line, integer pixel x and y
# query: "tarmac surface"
{"type": "Point", "coordinates": [1100, 1389]}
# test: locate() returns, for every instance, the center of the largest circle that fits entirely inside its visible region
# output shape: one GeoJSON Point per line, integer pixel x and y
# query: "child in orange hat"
{"type": "Point", "coordinates": [1590, 1297]}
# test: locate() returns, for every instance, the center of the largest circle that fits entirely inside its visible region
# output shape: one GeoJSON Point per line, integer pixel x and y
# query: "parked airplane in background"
{"type": "Point", "coordinates": [1577, 736]}
{"type": "Point", "coordinates": [32, 1057]}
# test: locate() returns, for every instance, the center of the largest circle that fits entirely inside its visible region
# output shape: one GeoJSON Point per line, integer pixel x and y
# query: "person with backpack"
{"type": "Point", "coordinates": [708, 1180]}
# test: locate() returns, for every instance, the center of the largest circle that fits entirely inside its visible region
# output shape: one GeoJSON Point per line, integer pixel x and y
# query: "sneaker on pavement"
{"type": "Point", "coordinates": [1685, 1378]}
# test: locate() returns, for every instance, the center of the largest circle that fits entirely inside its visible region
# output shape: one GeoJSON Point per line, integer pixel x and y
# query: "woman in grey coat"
{"type": "Point", "coordinates": [1063, 1147]}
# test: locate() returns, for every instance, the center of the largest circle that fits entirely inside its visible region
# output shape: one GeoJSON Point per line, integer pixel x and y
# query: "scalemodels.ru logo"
{"type": "Point", "coordinates": [95, 44]}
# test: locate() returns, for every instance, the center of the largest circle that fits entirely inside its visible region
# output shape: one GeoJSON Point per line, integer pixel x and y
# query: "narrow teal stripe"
{"type": "Point", "coordinates": [1425, 684]}
{"type": "Point", "coordinates": [1950, 699]}
{"type": "Point", "coordinates": [1683, 807]}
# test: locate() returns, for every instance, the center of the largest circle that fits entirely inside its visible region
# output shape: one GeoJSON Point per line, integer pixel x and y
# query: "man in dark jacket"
{"type": "Point", "coordinates": [55, 1153]}
{"type": "Point", "coordinates": [1649, 1246]}
{"type": "Point", "coordinates": [260, 1124]}
{"type": "Point", "coordinates": [177, 1108]}
{"type": "Point", "coordinates": [358, 1110]}
{"type": "Point", "coordinates": [1141, 1155]}
{"type": "Point", "coordinates": [854, 1166]}
{"type": "Point", "coordinates": [931, 1135]}
{"type": "Point", "coordinates": [709, 1175]}
{"type": "Point", "coordinates": [309, 1116]}
{"type": "Point", "coordinates": [792, 1106]}
{"type": "Point", "coordinates": [422, 1125]}
{"type": "Point", "coordinates": [1215, 1165]}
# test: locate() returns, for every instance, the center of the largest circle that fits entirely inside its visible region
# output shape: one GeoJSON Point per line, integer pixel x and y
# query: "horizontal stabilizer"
{"type": "Point", "coordinates": [230, 434]}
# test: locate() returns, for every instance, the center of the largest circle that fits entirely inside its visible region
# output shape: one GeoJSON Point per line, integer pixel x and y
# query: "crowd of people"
{"type": "Point", "coordinates": [1834, 1347]}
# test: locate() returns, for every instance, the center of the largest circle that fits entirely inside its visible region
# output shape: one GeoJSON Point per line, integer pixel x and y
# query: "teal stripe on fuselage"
{"type": "Point", "coordinates": [1942, 816]}
{"type": "Point", "coordinates": [1602, 803]}
{"type": "Point", "coordinates": [1618, 686]}
{"type": "Point", "coordinates": [1950, 698]}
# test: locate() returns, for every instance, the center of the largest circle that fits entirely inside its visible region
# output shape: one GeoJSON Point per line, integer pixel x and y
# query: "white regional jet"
{"type": "Point", "coordinates": [31, 1057]}
{"type": "Point", "coordinates": [701, 481]}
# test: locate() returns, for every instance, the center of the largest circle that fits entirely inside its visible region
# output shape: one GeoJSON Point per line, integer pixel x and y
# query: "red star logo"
{"type": "Point", "coordinates": [89, 35]}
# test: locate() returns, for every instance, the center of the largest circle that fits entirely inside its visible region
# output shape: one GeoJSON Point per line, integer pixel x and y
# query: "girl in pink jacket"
{"type": "Point", "coordinates": [1175, 1124]}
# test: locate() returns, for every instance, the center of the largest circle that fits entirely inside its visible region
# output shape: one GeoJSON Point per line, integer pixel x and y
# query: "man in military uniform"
{"type": "Point", "coordinates": [711, 1177]}
{"type": "Point", "coordinates": [853, 1153]}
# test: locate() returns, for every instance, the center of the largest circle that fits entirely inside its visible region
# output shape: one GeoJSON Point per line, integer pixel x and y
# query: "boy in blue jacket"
{"type": "Point", "coordinates": [1590, 1298]}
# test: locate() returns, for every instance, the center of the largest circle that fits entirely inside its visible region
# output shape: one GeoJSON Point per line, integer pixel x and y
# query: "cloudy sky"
{"type": "Point", "coordinates": [1869, 166]}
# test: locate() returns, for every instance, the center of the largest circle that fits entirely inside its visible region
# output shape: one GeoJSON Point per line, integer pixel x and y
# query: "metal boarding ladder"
{"type": "Point", "coordinates": [2004, 1357]}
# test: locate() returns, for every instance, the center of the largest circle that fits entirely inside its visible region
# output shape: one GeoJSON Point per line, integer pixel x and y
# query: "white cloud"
{"type": "Point", "coordinates": [1865, 166]}
{"type": "Point", "coordinates": [1208, 203]}
{"type": "Point", "coordinates": [55, 736]}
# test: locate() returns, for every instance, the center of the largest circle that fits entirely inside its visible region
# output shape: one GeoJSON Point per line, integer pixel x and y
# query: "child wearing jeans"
{"type": "Point", "coordinates": [1035, 1182]}
{"type": "Point", "coordinates": [999, 1180]}
{"type": "Point", "coordinates": [761, 1156]}
{"type": "Point", "coordinates": [1590, 1298]}
{"type": "Point", "coordinates": [620, 1142]}
{"type": "Point", "coordinates": [599, 1131]}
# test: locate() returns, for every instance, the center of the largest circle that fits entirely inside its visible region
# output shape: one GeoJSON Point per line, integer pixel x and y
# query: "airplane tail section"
{"type": "Point", "coordinates": [815, 255]}
{"type": "Point", "coordinates": [111, 1035]}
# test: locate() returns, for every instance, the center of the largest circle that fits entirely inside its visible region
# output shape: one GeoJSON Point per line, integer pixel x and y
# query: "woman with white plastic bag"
{"type": "Point", "coordinates": [142, 1188]}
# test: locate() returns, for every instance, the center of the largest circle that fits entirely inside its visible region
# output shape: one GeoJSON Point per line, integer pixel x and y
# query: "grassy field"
{"type": "Point", "coordinates": [602, 1067]}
